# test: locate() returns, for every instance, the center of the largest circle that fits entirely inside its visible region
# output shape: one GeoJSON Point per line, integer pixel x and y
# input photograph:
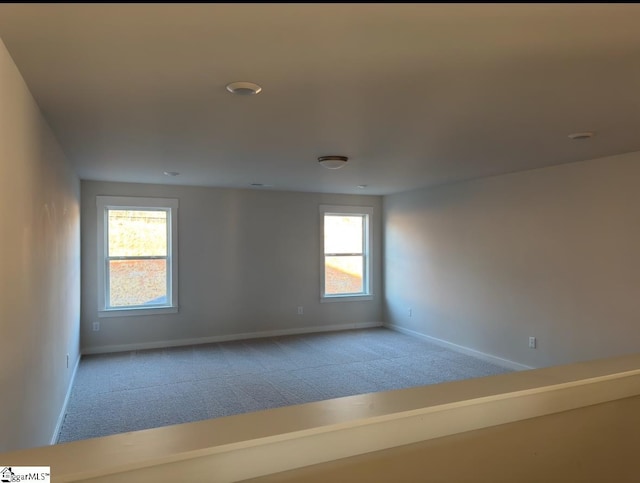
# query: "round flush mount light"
{"type": "Point", "coordinates": [333, 162]}
{"type": "Point", "coordinates": [244, 88]}
{"type": "Point", "coordinates": [171, 173]}
{"type": "Point", "coordinates": [582, 135]}
{"type": "Point", "coordinates": [362, 186]}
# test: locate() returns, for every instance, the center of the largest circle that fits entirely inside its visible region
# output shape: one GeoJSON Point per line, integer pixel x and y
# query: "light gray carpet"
{"type": "Point", "coordinates": [129, 391]}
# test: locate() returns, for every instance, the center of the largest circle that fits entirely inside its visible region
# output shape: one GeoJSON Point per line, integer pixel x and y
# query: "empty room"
{"type": "Point", "coordinates": [229, 228]}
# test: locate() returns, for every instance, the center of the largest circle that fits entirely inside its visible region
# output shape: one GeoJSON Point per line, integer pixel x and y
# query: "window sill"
{"type": "Point", "coordinates": [345, 298]}
{"type": "Point", "coordinates": [137, 312]}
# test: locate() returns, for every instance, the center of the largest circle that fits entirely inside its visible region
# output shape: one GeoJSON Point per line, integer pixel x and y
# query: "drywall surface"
{"type": "Point", "coordinates": [39, 268]}
{"type": "Point", "coordinates": [550, 253]}
{"type": "Point", "coordinates": [247, 259]}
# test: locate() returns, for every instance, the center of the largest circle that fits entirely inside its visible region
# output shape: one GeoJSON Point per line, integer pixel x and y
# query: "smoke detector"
{"type": "Point", "coordinates": [582, 135]}
{"type": "Point", "coordinates": [333, 162]}
{"type": "Point", "coordinates": [244, 88]}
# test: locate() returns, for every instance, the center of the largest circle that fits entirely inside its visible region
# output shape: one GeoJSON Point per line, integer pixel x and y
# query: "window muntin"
{"type": "Point", "coordinates": [137, 250]}
{"type": "Point", "coordinates": [346, 234]}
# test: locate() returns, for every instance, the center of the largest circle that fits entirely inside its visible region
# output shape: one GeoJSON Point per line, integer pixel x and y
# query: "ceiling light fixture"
{"type": "Point", "coordinates": [333, 162]}
{"type": "Point", "coordinates": [244, 88]}
{"type": "Point", "coordinates": [582, 135]}
{"type": "Point", "coordinates": [171, 173]}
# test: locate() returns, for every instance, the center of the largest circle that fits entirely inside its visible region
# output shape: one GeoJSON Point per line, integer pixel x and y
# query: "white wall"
{"type": "Point", "coordinates": [39, 268]}
{"type": "Point", "coordinates": [247, 260]}
{"type": "Point", "coordinates": [551, 253]}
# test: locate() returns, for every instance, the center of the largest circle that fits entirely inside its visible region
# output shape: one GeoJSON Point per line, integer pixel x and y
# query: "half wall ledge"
{"type": "Point", "coordinates": [276, 440]}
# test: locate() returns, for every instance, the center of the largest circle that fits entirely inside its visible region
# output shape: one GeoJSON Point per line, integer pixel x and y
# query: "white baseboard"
{"type": "Point", "coordinates": [462, 349]}
{"type": "Point", "coordinates": [224, 338]}
{"type": "Point", "coordinates": [63, 411]}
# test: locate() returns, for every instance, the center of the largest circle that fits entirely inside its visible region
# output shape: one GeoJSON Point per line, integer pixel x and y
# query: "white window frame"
{"type": "Point", "coordinates": [170, 205]}
{"type": "Point", "coordinates": [367, 235]}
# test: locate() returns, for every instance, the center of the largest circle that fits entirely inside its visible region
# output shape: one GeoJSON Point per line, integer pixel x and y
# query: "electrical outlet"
{"type": "Point", "coordinates": [300, 310]}
{"type": "Point", "coordinates": [410, 312]}
{"type": "Point", "coordinates": [532, 342]}
{"type": "Point", "coordinates": [96, 326]}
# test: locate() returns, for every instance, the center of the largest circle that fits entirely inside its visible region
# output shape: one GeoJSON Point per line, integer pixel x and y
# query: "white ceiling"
{"type": "Point", "coordinates": [415, 94]}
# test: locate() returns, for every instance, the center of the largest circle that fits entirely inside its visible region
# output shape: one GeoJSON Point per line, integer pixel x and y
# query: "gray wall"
{"type": "Point", "coordinates": [39, 268]}
{"type": "Point", "coordinates": [247, 260]}
{"type": "Point", "coordinates": [551, 253]}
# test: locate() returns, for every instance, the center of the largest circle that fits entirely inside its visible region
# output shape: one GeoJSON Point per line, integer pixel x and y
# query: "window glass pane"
{"type": "Point", "coordinates": [137, 282]}
{"type": "Point", "coordinates": [343, 233]}
{"type": "Point", "coordinates": [137, 233]}
{"type": "Point", "coordinates": [343, 275]}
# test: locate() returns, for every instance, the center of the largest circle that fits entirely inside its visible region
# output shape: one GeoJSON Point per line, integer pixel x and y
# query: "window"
{"type": "Point", "coordinates": [346, 253]}
{"type": "Point", "coordinates": [137, 256]}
